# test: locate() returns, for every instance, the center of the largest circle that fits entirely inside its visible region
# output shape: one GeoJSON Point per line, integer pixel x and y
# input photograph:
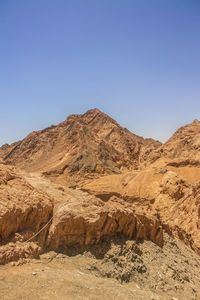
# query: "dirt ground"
{"type": "Point", "coordinates": [115, 269]}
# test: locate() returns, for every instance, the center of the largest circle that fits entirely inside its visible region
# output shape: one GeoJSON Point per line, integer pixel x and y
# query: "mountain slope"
{"type": "Point", "coordinates": [184, 144]}
{"type": "Point", "coordinates": [81, 146]}
{"type": "Point", "coordinates": [181, 151]}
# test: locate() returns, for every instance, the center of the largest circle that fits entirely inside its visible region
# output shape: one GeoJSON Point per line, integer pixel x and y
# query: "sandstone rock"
{"type": "Point", "coordinates": [86, 220]}
{"type": "Point", "coordinates": [165, 194]}
{"type": "Point", "coordinates": [184, 144]}
{"type": "Point", "coordinates": [132, 185]}
{"type": "Point", "coordinates": [23, 211]}
{"type": "Point", "coordinates": [18, 251]}
{"type": "Point", "coordinates": [174, 186]}
{"type": "Point", "coordinates": [35, 209]}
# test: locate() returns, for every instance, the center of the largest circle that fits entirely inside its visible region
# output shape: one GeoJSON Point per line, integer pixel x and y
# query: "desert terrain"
{"type": "Point", "coordinates": [90, 210]}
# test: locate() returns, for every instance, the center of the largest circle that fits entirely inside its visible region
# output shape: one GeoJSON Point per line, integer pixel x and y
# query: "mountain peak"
{"type": "Point", "coordinates": [95, 110]}
{"type": "Point", "coordinates": [196, 122]}
{"type": "Point", "coordinates": [83, 144]}
{"type": "Point", "coordinates": [93, 116]}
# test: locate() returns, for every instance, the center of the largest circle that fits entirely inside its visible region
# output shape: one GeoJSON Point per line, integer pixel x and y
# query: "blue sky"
{"type": "Point", "coordinates": [137, 60]}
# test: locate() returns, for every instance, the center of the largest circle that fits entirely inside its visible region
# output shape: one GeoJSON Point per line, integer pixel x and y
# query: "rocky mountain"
{"type": "Point", "coordinates": [184, 145]}
{"type": "Point", "coordinates": [71, 217]}
{"type": "Point", "coordinates": [88, 188]}
{"type": "Point", "coordinates": [181, 149]}
{"type": "Point", "coordinates": [83, 146]}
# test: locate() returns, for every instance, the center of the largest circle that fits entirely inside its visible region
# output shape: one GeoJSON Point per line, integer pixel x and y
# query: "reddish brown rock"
{"type": "Point", "coordinates": [19, 251]}
{"type": "Point", "coordinates": [84, 221]}
{"type": "Point", "coordinates": [132, 186]}
{"type": "Point", "coordinates": [22, 207]}
{"type": "Point", "coordinates": [83, 146]}
{"type": "Point", "coordinates": [33, 209]}
{"type": "Point", "coordinates": [157, 190]}
{"type": "Point", "coordinates": [184, 145]}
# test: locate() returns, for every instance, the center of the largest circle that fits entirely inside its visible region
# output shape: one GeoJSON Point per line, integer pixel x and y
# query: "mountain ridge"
{"type": "Point", "coordinates": [82, 144]}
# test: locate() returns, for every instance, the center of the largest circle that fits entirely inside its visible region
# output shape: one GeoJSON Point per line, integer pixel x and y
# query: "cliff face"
{"type": "Point", "coordinates": [83, 146]}
{"type": "Point", "coordinates": [22, 207]}
{"type": "Point", "coordinates": [158, 190]}
{"type": "Point", "coordinates": [37, 214]}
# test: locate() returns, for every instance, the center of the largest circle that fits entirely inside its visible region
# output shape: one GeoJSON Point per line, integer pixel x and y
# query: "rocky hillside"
{"type": "Point", "coordinates": [128, 207]}
{"type": "Point", "coordinates": [174, 200]}
{"type": "Point", "coordinates": [62, 217]}
{"type": "Point", "coordinates": [184, 145]}
{"type": "Point", "coordinates": [93, 240]}
{"type": "Point", "coordinates": [83, 146]}
{"type": "Point", "coordinates": [182, 149]}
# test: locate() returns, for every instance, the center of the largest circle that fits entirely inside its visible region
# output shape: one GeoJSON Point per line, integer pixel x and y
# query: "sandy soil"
{"type": "Point", "coordinates": [115, 269]}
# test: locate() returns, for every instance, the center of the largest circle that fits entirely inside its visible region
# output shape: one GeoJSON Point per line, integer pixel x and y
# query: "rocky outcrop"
{"type": "Point", "coordinates": [182, 149]}
{"type": "Point", "coordinates": [178, 205]}
{"type": "Point", "coordinates": [37, 215]}
{"type": "Point", "coordinates": [116, 191]}
{"type": "Point", "coordinates": [22, 207]}
{"type": "Point", "coordinates": [184, 144]}
{"type": "Point", "coordinates": [23, 211]}
{"type": "Point", "coordinates": [16, 251]}
{"type": "Point", "coordinates": [85, 222]}
{"type": "Point", "coordinates": [163, 192]}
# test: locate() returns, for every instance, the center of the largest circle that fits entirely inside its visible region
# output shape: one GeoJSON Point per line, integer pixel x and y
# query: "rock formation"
{"type": "Point", "coordinates": [184, 144]}
{"type": "Point", "coordinates": [174, 200]}
{"type": "Point", "coordinates": [182, 149]}
{"type": "Point", "coordinates": [30, 202]}
{"type": "Point", "coordinates": [83, 146]}
{"type": "Point", "coordinates": [89, 179]}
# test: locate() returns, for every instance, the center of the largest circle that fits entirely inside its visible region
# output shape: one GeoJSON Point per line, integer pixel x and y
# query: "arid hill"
{"type": "Point", "coordinates": [120, 203]}
{"type": "Point", "coordinates": [174, 200]}
{"type": "Point", "coordinates": [182, 149]}
{"type": "Point", "coordinates": [83, 146]}
{"type": "Point", "coordinates": [184, 145]}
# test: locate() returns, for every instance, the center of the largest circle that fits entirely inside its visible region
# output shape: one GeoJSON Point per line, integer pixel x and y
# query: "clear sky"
{"type": "Point", "coordinates": [137, 60]}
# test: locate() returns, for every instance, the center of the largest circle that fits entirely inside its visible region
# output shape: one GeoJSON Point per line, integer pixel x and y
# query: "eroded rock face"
{"type": "Point", "coordinates": [87, 220]}
{"type": "Point", "coordinates": [19, 251]}
{"type": "Point", "coordinates": [23, 211]}
{"type": "Point", "coordinates": [178, 205]}
{"type": "Point", "coordinates": [130, 186]}
{"type": "Point", "coordinates": [22, 207]}
{"type": "Point", "coordinates": [33, 209]}
{"type": "Point", "coordinates": [82, 219]}
{"type": "Point", "coordinates": [157, 190]}
{"type": "Point", "coordinates": [174, 186]}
